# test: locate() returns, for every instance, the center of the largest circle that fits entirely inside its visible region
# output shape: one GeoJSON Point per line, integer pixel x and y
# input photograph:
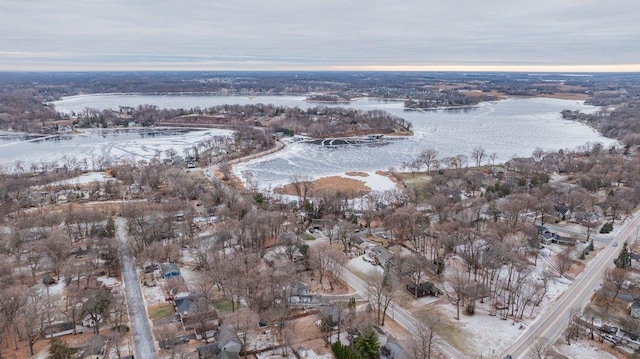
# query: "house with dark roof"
{"type": "Point", "coordinates": [227, 339]}
{"type": "Point", "coordinates": [183, 305]}
{"type": "Point", "coordinates": [424, 289]}
{"type": "Point", "coordinates": [212, 351]}
{"type": "Point", "coordinates": [226, 345]}
{"type": "Point", "coordinates": [548, 237]}
{"type": "Point", "coordinates": [383, 256]}
{"type": "Point", "coordinates": [562, 211]}
{"type": "Point", "coordinates": [170, 270]}
{"type": "Point", "coordinates": [195, 314]}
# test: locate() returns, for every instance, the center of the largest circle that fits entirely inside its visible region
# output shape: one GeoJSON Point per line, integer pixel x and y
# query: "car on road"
{"type": "Point", "coordinates": [615, 244]}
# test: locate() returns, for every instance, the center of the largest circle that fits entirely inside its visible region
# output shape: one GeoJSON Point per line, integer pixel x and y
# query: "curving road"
{"type": "Point", "coordinates": [144, 345]}
{"type": "Point", "coordinates": [553, 322]}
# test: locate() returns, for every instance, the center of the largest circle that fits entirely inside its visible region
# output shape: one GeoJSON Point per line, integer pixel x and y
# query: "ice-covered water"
{"type": "Point", "coordinates": [94, 144]}
{"type": "Point", "coordinates": [101, 102]}
{"type": "Point", "coordinates": [512, 127]}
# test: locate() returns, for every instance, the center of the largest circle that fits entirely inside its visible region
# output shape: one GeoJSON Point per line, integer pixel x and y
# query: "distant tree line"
{"type": "Point", "coordinates": [621, 122]}
{"type": "Point", "coordinates": [444, 98]}
{"type": "Point", "coordinates": [319, 121]}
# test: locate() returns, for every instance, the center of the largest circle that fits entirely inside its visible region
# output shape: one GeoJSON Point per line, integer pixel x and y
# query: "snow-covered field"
{"type": "Point", "coordinates": [153, 295]}
{"type": "Point", "coordinates": [580, 350]}
{"type": "Point", "coordinates": [481, 334]}
{"type": "Point", "coordinates": [488, 336]}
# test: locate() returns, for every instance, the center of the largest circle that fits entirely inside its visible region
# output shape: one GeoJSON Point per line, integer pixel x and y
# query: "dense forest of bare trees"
{"type": "Point", "coordinates": [316, 122]}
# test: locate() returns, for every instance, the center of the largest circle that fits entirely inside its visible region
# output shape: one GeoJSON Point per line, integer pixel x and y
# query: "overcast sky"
{"type": "Point", "coordinates": [319, 35]}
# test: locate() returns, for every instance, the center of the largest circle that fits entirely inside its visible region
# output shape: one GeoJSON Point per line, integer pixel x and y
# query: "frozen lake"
{"type": "Point", "coordinates": [97, 144]}
{"type": "Point", "coordinates": [512, 127]}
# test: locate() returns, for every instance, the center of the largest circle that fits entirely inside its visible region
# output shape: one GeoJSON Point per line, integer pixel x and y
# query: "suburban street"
{"type": "Point", "coordinates": [553, 322]}
{"type": "Point", "coordinates": [144, 345]}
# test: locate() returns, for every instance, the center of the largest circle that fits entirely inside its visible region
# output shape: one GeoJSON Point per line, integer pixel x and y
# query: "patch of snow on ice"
{"type": "Point", "coordinates": [375, 181]}
{"type": "Point", "coordinates": [86, 179]}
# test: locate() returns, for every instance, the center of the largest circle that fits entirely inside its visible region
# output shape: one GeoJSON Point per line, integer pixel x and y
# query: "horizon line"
{"type": "Point", "coordinates": [622, 68]}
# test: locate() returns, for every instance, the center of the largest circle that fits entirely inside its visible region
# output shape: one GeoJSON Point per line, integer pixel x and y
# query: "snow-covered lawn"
{"type": "Point", "coordinates": [485, 335]}
{"type": "Point", "coordinates": [191, 277]}
{"type": "Point", "coordinates": [360, 265]}
{"type": "Point", "coordinates": [481, 334]}
{"type": "Point", "coordinates": [580, 350]}
{"type": "Point", "coordinates": [56, 289]}
{"type": "Point", "coordinates": [153, 295]}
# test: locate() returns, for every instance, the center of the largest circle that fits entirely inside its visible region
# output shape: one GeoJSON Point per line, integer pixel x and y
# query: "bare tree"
{"type": "Point", "coordinates": [382, 289]}
{"type": "Point", "coordinates": [423, 343]}
{"type": "Point", "coordinates": [539, 349]}
{"type": "Point", "coordinates": [492, 157]}
{"type": "Point", "coordinates": [427, 158]}
{"type": "Point", "coordinates": [303, 187]}
{"type": "Point", "coordinates": [573, 329]}
{"type": "Point", "coordinates": [564, 260]}
{"type": "Point", "coordinates": [416, 266]}
{"type": "Point", "coordinates": [457, 281]}
{"type": "Point", "coordinates": [118, 309]}
{"type": "Point", "coordinates": [34, 258]}
{"type": "Point", "coordinates": [30, 314]}
{"type": "Point", "coordinates": [320, 260]}
{"type": "Point", "coordinates": [97, 306]}
{"type": "Point", "coordinates": [478, 154]}
{"type": "Point", "coordinates": [615, 279]}
{"type": "Point", "coordinates": [532, 240]}
{"type": "Point", "coordinates": [335, 267]}
{"type": "Point", "coordinates": [538, 154]}
{"type": "Point", "coordinates": [56, 248]}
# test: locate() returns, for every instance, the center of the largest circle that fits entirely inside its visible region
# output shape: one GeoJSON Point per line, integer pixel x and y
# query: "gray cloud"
{"type": "Point", "coordinates": [279, 34]}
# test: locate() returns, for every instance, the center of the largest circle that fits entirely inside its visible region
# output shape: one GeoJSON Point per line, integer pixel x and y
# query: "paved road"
{"type": "Point", "coordinates": [398, 314]}
{"type": "Point", "coordinates": [553, 322]}
{"type": "Point", "coordinates": [144, 345]}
